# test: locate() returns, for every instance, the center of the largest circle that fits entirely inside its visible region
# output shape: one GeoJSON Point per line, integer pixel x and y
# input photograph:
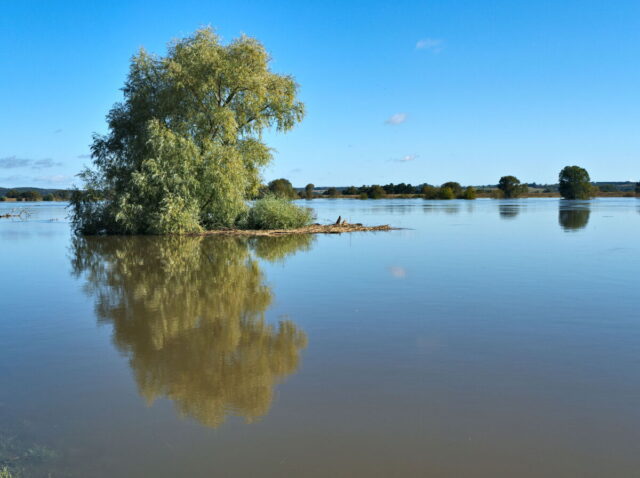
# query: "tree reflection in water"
{"type": "Point", "coordinates": [189, 314]}
{"type": "Point", "coordinates": [573, 216]}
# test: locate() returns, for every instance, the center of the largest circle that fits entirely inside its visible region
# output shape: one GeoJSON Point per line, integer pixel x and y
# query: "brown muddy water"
{"type": "Point", "coordinates": [486, 339]}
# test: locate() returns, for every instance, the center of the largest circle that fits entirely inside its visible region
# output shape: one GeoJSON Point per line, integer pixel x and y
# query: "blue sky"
{"type": "Point", "coordinates": [421, 91]}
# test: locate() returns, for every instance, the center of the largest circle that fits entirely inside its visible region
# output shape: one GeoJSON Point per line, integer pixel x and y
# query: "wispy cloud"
{"type": "Point", "coordinates": [397, 118]}
{"type": "Point", "coordinates": [406, 158]}
{"type": "Point", "coordinates": [58, 131]}
{"type": "Point", "coordinates": [84, 156]}
{"type": "Point", "coordinates": [12, 162]}
{"type": "Point", "coordinates": [434, 45]}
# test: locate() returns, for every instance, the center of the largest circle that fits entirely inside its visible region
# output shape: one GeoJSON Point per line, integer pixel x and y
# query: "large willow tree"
{"type": "Point", "coordinates": [184, 149]}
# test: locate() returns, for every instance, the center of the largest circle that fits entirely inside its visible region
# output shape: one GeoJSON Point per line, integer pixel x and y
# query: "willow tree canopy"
{"type": "Point", "coordinates": [184, 149]}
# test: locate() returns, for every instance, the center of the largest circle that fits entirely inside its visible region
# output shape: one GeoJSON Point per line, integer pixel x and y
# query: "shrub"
{"type": "Point", "coordinates": [446, 193]}
{"type": "Point", "coordinates": [277, 213]}
{"type": "Point", "coordinates": [363, 196]}
{"type": "Point", "coordinates": [377, 192]}
{"type": "Point", "coordinates": [454, 186]}
{"type": "Point", "coordinates": [429, 192]}
{"type": "Point", "coordinates": [469, 193]}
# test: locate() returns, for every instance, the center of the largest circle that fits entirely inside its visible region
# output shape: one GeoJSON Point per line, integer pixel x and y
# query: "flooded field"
{"type": "Point", "coordinates": [485, 338]}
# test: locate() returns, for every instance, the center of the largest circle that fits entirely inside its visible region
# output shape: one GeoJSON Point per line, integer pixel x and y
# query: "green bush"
{"type": "Point", "coordinates": [469, 193]}
{"type": "Point", "coordinates": [429, 192]}
{"type": "Point", "coordinates": [277, 213]}
{"type": "Point", "coordinates": [377, 192]}
{"type": "Point", "coordinates": [446, 193]}
{"type": "Point", "coordinates": [363, 196]}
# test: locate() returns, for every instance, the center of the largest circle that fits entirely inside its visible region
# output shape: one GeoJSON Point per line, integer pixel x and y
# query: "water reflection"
{"type": "Point", "coordinates": [509, 210]}
{"type": "Point", "coordinates": [573, 216]}
{"type": "Point", "coordinates": [448, 207]}
{"type": "Point", "coordinates": [189, 314]}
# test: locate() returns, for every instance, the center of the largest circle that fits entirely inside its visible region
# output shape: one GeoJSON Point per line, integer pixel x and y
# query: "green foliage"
{"type": "Point", "coordinates": [281, 188]}
{"type": "Point", "coordinates": [638, 188]}
{"type": "Point", "coordinates": [445, 192]}
{"type": "Point", "coordinates": [469, 193]}
{"type": "Point", "coordinates": [429, 192]}
{"type": "Point", "coordinates": [608, 188]}
{"type": "Point", "coordinates": [454, 186]}
{"type": "Point", "coordinates": [184, 149]}
{"type": "Point", "coordinates": [363, 195]}
{"type": "Point", "coordinates": [350, 191]}
{"type": "Point", "coordinates": [48, 197]}
{"type": "Point", "coordinates": [308, 191]}
{"type": "Point", "coordinates": [377, 192]}
{"type": "Point", "coordinates": [277, 213]}
{"type": "Point", "coordinates": [575, 183]}
{"type": "Point", "coordinates": [332, 192]}
{"type": "Point", "coordinates": [511, 187]}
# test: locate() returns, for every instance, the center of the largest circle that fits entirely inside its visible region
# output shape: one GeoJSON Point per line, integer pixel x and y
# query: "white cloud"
{"type": "Point", "coordinates": [406, 158]}
{"type": "Point", "coordinates": [397, 118]}
{"type": "Point", "coordinates": [434, 45]}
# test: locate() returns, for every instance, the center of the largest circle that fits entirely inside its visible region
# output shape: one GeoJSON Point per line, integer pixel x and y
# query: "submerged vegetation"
{"type": "Point", "coordinates": [184, 149]}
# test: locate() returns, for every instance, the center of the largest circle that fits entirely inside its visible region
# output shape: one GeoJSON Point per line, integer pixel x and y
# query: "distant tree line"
{"type": "Point", "coordinates": [35, 195]}
{"type": "Point", "coordinates": [573, 183]}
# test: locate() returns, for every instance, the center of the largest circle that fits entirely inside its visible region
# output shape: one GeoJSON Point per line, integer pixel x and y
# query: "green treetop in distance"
{"type": "Point", "coordinates": [308, 191]}
{"type": "Point", "coordinates": [575, 183]}
{"type": "Point", "coordinates": [184, 149]}
{"type": "Point", "coordinates": [282, 188]}
{"type": "Point", "coordinates": [511, 187]}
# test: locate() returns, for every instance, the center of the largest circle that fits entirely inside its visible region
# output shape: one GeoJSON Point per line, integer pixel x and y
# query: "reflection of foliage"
{"type": "Point", "coordinates": [574, 218]}
{"type": "Point", "coordinates": [277, 248]}
{"type": "Point", "coordinates": [189, 313]}
{"type": "Point", "coordinates": [509, 211]}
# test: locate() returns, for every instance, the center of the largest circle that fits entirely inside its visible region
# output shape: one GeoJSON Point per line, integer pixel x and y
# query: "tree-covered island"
{"type": "Point", "coordinates": [184, 151]}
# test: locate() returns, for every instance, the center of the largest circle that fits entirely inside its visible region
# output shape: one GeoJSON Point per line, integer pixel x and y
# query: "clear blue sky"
{"type": "Point", "coordinates": [420, 91]}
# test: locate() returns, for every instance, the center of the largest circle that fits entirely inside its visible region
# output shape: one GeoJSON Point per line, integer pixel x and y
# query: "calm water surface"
{"type": "Point", "coordinates": [486, 339]}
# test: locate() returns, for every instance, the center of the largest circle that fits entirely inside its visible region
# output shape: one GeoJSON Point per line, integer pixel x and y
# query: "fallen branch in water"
{"type": "Point", "coordinates": [313, 229]}
{"type": "Point", "coordinates": [19, 213]}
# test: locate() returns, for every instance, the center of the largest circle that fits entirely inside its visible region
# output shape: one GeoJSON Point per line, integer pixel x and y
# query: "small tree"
{"type": "Point", "coordinates": [511, 187]}
{"type": "Point", "coordinates": [638, 189]}
{"type": "Point", "coordinates": [429, 192]}
{"type": "Point", "coordinates": [469, 193]}
{"type": "Point", "coordinates": [445, 192]}
{"type": "Point", "coordinates": [377, 192]}
{"type": "Point", "coordinates": [282, 188]}
{"type": "Point", "coordinates": [332, 192]}
{"type": "Point", "coordinates": [351, 191]}
{"type": "Point", "coordinates": [308, 191]}
{"type": "Point", "coordinates": [575, 183]}
{"type": "Point", "coordinates": [454, 186]}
